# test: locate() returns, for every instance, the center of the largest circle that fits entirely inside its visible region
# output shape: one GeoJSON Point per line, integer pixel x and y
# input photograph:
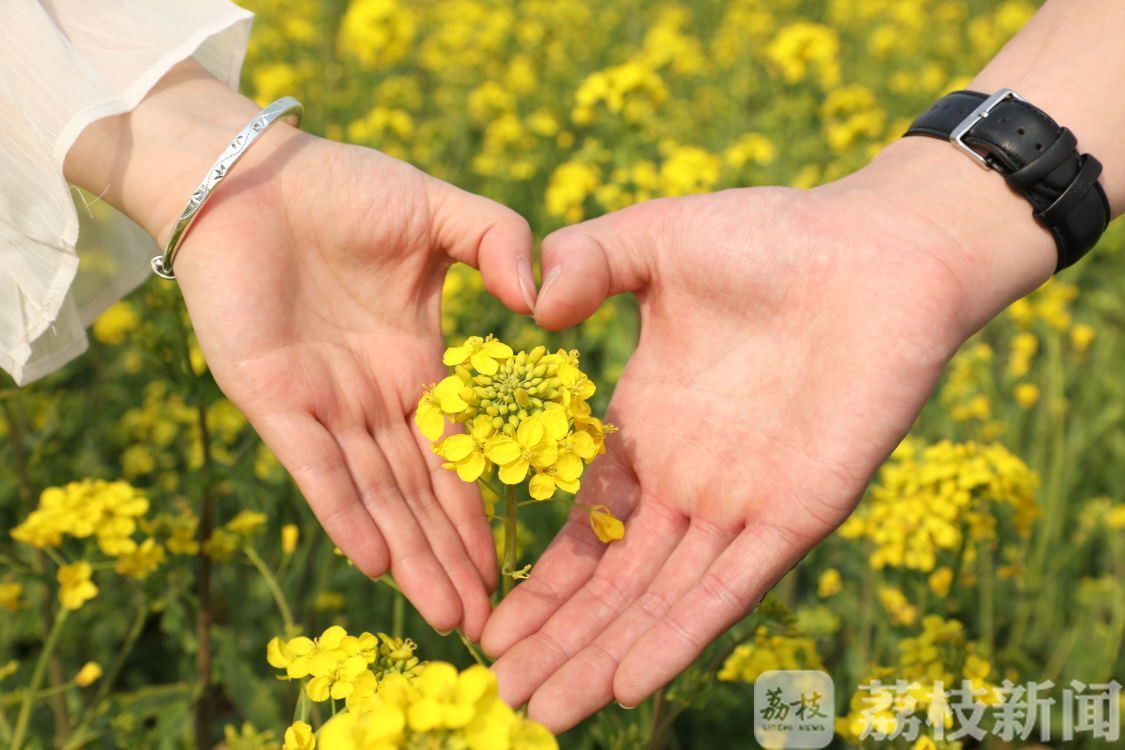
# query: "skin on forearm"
{"type": "Point", "coordinates": [147, 162]}
{"type": "Point", "coordinates": [1066, 61]}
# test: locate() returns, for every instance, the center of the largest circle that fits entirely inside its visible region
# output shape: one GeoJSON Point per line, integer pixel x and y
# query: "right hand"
{"type": "Point", "coordinates": [788, 341]}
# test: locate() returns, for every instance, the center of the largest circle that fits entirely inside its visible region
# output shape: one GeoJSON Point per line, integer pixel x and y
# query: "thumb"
{"type": "Point", "coordinates": [490, 237]}
{"type": "Point", "coordinates": [585, 264]}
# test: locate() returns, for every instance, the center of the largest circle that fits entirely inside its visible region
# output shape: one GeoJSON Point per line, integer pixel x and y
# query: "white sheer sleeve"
{"type": "Point", "coordinates": [64, 64]}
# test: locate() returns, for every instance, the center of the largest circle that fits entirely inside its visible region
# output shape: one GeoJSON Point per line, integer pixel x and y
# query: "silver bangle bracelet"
{"type": "Point", "coordinates": [283, 107]}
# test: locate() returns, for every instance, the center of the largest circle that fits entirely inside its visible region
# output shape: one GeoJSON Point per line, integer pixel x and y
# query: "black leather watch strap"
{"type": "Point", "coordinates": [1038, 158]}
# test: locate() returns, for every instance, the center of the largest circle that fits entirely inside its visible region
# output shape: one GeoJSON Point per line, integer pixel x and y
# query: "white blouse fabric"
{"type": "Point", "coordinates": [64, 64]}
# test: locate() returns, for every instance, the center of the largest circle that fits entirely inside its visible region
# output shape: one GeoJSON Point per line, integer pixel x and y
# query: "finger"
{"type": "Point", "coordinates": [465, 510]}
{"type": "Point", "coordinates": [566, 564]}
{"type": "Point", "coordinates": [625, 571]}
{"type": "Point", "coordinates": [733, 585]}
{"type": "Point", "coordinates": [413, 564]}
{"type": "Point", "coordinates": [584, 684]}
{"type": "Point", "coordinates": [414, 479]}
{"type": "Point", "coordinates": [490, 237]}
{"type": "Point", "coordinates": [586, 263]}
{"type": "Point", "coordinates": [317, 464]}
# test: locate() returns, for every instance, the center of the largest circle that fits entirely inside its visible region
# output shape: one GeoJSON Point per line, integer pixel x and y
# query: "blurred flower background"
{"type": "Point", "coordinates": [156, 546]}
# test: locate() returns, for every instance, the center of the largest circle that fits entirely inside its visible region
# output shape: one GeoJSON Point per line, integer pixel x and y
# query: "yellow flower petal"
{"type": "Point", "coordinates": [424, 715]}
{"type": "Point", "coordinates": [556, 421]}
{"type": "Point", "coordinates": [569, 467]}
{"type": "Point", "coordinates": [470, 469]}
{"type": "Point", "coordinates": [322, 664]}
{"type": "Point", "coordinates": [542, 486]}
{"type": "Point", "coordinates": [339, 732]}
{"type": "Point", "coordinates": [497, 349]}
{"type": "Point", "coordinates": [502, 450]}
{"type": "Point", "coordinates": [583, 445]}
{"type": "Point", "coordinates": [89, 674]}
{"type": "Point", "coordinates": [606, 526]}
{"type": "Point", "coordinates": [300, 646]}
{"type": "Point", "coordinates": [484, 364]}
{"type": "Point", "coordinates": [430, 421]}
{"type": "Point", "coordinates": [448, 393]}
{"type": "Point", "coordinates": [545, 454]}
{"type": "Point", "coordinates": [530, 432]}
{"type": "Point", "coordinates": [274, 655]}
{"type": "Point", "coordinates": [331, 638]}
{"type": "Point", "coordinates": [438, 678]}
{"type": "Point", "coordinates": [456, 447]}
{"type": "Point", "coordinates": [455, 355]}
{"type": "Point", "coordinates": [482, 428]}
{"type": "Point", "coordinates": [319, 689]}
{"type": "Point", "coordinates": [514, 472]}
{"type": "Point", "coordinates": [567, 486]}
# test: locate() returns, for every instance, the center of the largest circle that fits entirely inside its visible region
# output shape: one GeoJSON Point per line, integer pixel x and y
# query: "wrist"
{"type": "Point", "coordinates": [982, 231]}
{"type": "Point", "coordinates": [147, 162]}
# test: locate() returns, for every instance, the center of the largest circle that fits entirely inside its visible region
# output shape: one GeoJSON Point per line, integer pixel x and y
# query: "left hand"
{"type": "Point", "coordinates": [313, 279]}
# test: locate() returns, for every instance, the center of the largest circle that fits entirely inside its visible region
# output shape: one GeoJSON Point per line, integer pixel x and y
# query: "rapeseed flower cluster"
{"type": "Point", "coordinates": [439, 708]}
{"type": "Point", "coordinates": [930, 499]}
{"type": "Point", "coordinates": [340, 666]}
{"type": "Point", "coordinates": [526, 416]}
{"type": "Point", "coordinates": [564, 111]}
{"type": "Point", "coordinates": [165, 419]}
{"type": "Point", "coordinates": [106, 511]}
{"type": "Point", "coordinates": [916, 690]}
{"type": "Point", "coordinates": [232, 536]}
{"type": "Point", "coordinates": [109, 513]}
{"type": "Point", "coordinates": [769, 651]}
{"type": "Point", "coordinates": [10, 593]}
{"type": "Point", "coordinates": [395, 700]}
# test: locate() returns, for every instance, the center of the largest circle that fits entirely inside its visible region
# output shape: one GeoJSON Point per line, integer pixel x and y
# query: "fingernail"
{"type": "Point", "coordinates": [552, 277]}
{"type": "Point", "coordinates": [622, 705]}
{"type": "Point", "coordinates": [443, 633]}
{"type": "Point", "coordinates": [526, 282]}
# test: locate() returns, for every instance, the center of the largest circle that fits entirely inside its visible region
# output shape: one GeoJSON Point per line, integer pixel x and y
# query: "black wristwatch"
{"type": "Point", "coordinates": [1038, 158]}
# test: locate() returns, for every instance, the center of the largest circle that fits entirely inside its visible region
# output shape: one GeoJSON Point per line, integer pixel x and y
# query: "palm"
{"type": "Point", "coordinates": [778, 364]}
{"type": "Point", "coordinates": [316, 299]}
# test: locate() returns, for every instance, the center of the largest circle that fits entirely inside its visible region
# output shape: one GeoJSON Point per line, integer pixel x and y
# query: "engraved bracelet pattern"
{"type": "Point", "coordinates": [283, 107]}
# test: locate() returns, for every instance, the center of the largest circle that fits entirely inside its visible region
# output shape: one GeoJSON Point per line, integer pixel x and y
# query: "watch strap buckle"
{"type": "Point", "coordinates": [957, 135]}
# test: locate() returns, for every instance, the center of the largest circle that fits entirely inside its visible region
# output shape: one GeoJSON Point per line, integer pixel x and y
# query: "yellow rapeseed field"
{"type": "Point", "coordinates": [163, 584]}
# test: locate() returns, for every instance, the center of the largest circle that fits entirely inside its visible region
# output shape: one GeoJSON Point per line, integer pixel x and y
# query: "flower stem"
{"type": "Point", "coordinates": [106, 683]}
{"type": "Point", "coordinates": [398, 613]}
{"type": "Point", "coordinates": [471, 649]}
{"type": "Point", "coordinates": [274, 587]}
{"type": "Point", "coordinates": [511, 528]}
{"type": "Point", "coordinates": [36, 678]}
{"type": "Point", "coordinates": [203, 615]}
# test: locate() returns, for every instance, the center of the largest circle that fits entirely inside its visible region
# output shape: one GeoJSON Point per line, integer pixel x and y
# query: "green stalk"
{"type": "Point", "coordinates": [105, 684]}
{"type": "Point", "coordinates": [398, 606]}
{"type": "Point", "coordinates": [398, 614]}
{"type": "Point", "coordinates": [1054, 501]}
{"type": "Point", "coordinates": [511, 528]}
{"type": "Point", "coordinates": [274, 587]}
{"type": "Point", "coordinates": [13, 698]}
{"type": "Point", "coordinates": [203, 615]}
{"type": "Point", "coordinates": [13, 413]}
{"type": "Point", "coordinates": [36, 678]}
{"type": "Point", "coordinates": [987, 597]}
{"type": "Point", "coordinates": [471, 649]}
